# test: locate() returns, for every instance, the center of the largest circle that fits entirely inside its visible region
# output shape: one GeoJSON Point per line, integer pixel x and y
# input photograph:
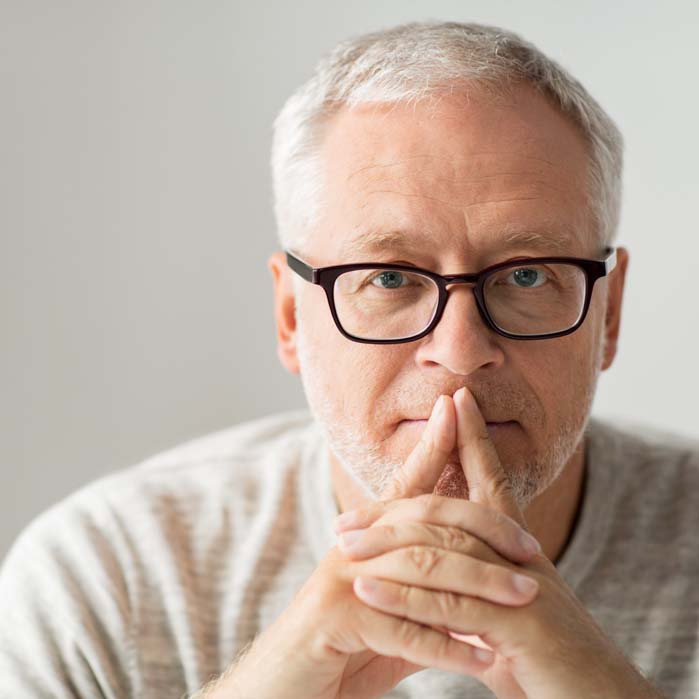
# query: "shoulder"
{"type": "Point", "coordinates": [645, 442]}
{"type": "Point", "coordinates": [84, 572]}
{"type": "Point", "coordinates": [249, 439]}
{"type": "Point", "coordinates": [658, 464]}
{"type": "Point", "coordinates": [222, 464]}
{"type": "Point", "coordinates": [180, 492]}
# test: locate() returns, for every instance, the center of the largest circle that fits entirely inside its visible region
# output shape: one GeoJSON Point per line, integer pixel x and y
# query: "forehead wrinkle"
{"type": "Point", "coordinates": [513, 235]}
{"type": "Point", "coordinates": [533, 178]}
{"type": "Point", "coordinates": [501, 201]}
{"type": "Point", "coordinates": [450, 204]}
{"type": "Point", "coordinates": [451, 161]}
{"type": "Point", "coordinates": [384, 166]}
{"type": "Point", "coordinates": [535, 238]}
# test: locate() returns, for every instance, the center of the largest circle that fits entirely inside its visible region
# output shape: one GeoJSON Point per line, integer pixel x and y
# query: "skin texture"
{"type": "Point", "coordinates": [453, 176]}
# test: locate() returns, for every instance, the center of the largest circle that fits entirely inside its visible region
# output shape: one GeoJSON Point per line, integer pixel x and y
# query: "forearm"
{"type": "Point", "coordinates": [271, 668]}
{"type": "Point", "coordinates": [226, 686]}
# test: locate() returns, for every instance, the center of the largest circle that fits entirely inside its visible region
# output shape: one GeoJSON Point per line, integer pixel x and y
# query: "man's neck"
{"type": "Point", "coordinates": [551, 517]}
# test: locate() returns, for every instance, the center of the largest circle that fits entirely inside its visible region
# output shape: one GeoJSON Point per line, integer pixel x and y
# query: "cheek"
{"type": "Point", "coordinates": [355, 377]}
{"type": "Point", "coordinates": [368, 374]}
{"type": "Point", "coordinates": [562, 372]}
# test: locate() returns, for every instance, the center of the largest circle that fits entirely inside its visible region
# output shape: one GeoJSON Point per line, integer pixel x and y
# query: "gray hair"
{"type": "Point", "coordinates": [410, 63]}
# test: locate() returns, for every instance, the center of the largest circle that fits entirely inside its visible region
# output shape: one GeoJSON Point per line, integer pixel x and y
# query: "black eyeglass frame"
{"type": "Point", "coordinates": [326, 276]}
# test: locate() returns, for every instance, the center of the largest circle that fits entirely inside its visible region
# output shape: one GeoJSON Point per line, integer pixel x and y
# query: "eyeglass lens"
{"type": "Point", "coordinates": [386, 304]}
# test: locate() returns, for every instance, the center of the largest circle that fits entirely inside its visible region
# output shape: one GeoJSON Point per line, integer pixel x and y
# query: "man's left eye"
{"type": "Point", "coordinates": [389, 279]}
{"type": "Point", "coordinates": [528, 277]}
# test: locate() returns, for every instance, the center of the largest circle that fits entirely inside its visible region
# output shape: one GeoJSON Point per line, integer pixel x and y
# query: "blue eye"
{"type": "Point", "coordinates": [527, 277]}
{"type": "Point", "coordinates": [392, 279]}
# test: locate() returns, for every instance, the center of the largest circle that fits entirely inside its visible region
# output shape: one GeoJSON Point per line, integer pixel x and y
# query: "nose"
{"type": "Point", "coordinates": [461, 342]}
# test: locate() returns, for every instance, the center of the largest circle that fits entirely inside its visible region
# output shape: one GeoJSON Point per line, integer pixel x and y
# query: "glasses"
{"type": "Point", "coordinates": [527, 299]}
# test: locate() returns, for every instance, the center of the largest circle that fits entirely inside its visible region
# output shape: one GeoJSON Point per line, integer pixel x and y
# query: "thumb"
{"type": "Point", "coordinates": [488, 483]}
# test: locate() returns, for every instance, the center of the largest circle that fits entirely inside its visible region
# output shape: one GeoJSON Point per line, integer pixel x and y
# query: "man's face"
{"type": "Point", "coordinates": [452, 179]}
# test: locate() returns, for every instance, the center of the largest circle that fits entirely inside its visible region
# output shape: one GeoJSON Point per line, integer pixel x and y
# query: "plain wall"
{"type": "Point", "coordinates": [136, 215]}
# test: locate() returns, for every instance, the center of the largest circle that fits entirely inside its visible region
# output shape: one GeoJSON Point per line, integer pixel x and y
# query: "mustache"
{"type": "Point", "coordinates": [496, 403]}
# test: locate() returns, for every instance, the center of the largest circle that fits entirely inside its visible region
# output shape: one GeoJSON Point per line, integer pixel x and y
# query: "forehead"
{"type": "Point", "coordinates": [461, 174]}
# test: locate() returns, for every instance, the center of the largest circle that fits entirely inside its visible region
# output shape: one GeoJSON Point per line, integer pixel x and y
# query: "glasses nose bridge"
{"type": "Point", "coordinates": [450, 279]}
{"type": "Point", "coordinates": [453, 279]}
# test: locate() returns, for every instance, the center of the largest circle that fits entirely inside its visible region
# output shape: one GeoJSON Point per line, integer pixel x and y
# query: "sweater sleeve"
{"type": "Point", "coordinates": [64, 609]}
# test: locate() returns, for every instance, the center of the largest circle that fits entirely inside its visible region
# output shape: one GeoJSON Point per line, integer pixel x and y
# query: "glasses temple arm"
{"type": "Point", "coordinates": [610, 261]}
{"type": "Point", "coordinates": [301, 268]}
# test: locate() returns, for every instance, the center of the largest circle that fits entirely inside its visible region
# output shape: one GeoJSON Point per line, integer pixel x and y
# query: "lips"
{"type": "Point", "coordinates": [489, 424]}
{"type": "Point", "coordinates": [499, 426]}
{"type": "Point", "coordinates": [493, 427]}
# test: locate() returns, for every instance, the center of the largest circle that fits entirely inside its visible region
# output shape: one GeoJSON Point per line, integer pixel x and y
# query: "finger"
{"type": "Point", "coordinates": [449, 571]}
{"type": "Point", "coordinates": [378, 675]}
{"type": "Point", "coordinates": [389, 636]}
{"type": "Point", "coordinates": [425, 605]}
{"type": "Point", "coordinates": [365, 515]}
{"type": "Point", "coordinates": [420, 473]}
{"type": "Point", "coordinates": [488, 483]}
{"type": "Point", "coordinates": [459, 614]}
{"type": "Point", "coordinates": [462, 529]}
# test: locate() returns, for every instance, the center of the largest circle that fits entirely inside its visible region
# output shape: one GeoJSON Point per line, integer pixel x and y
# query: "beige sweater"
{"type": "Point", "coordinates": [147, 582]}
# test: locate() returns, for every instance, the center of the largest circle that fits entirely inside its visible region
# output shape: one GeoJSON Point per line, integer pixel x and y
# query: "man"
{"type": "Point", "coordinates": [448, 292]}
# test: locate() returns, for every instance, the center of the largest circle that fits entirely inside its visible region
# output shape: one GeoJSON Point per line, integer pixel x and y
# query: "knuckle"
{"type": "Point", "coordinates": [409, 633]}
{"type": "Point", "coordinates": [500, 519]}
{"type": "Point", "coordinates": [424, 559]}
{"type": "Point", "coordinates": [399, 484]}
{"type": "Point", "coordinates": [473, 547]}
{"type": "Point", "coordinates": [389, 533]}
{"type": "Point", "coordinates": [451, 538]}
{"type": "Point", "coordinates": [501, 528]}
{"type": "Point", "coordinates": [429, 505]}
{"type": "Point", "coordinates": [483, 435]}
{"type": "Point", "coordinates": [444, 647]}
{"type": "Point", "coordinates": [449, 606]}
{"type": "Point", "coordinates": [376, 509]}
{"type": "Point", "coordinates": [456, 539]}
{"type": "Point", "coordinates": [405, 598]}
{"type": "Point", "coordinates": [504, 527]}
{"type": "Point", "coordinates": [488, 576]}
{"type": "Point", "coordinates": [501, 486]}
{"type": "Point", "coordinates": [429, 445]}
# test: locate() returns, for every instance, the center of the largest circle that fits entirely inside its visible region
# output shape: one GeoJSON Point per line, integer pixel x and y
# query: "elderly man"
{"type": "Point", "coordinates": [448, 291]}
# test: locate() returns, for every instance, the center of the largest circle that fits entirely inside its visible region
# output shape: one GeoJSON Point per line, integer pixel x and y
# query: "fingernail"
{"type": "Point", "coordinates": [528, 543]}
{"type": "Point", "coordinates": [349, 540]}
{"type": "Point", "coordinates": [484, 655]}
{"type": "Point", "coordinates": [342, 521]}
{"type": "Point", "coordinates": [367, 584]}
{"type": "Point", "coordinates": [524, 584]}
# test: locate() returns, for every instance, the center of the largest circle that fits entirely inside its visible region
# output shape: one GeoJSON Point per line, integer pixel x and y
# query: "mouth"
{"type": "Point", "coordinates": [493, 427]}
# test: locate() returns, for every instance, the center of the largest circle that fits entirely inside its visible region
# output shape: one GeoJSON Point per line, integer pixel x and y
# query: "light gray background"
{"type": "Point", "coordinates": [136, 219]}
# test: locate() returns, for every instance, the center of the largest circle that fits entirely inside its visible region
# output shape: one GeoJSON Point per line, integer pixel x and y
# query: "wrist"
{"type": "Point", "coordinates": [271, 667]}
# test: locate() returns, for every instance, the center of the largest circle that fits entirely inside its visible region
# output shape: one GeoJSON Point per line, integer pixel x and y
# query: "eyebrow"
{"type": "Point", "coordinates": [555, 241]}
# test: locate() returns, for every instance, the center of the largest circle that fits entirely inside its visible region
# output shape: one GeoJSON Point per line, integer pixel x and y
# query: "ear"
{"type": "Point", "coordinates": [284, 312]}
{"type": "Point", "coordinates": [615, 292]}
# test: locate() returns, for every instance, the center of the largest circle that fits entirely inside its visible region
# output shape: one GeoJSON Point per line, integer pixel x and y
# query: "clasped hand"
{"type": "Point", "coordinates": [462, 567]}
